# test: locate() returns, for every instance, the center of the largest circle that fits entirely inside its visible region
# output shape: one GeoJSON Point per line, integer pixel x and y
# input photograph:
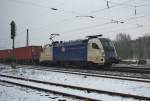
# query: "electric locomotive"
{"type": "Point", "coordinates": [93, 50]}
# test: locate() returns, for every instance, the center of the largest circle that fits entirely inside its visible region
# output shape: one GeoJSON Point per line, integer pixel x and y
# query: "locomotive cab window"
{"type": "Point", "coordinates": [95, 46]}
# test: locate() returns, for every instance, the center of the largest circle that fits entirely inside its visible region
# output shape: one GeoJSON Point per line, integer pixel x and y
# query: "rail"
{"type": "Point", "coordinates": [68, 86]}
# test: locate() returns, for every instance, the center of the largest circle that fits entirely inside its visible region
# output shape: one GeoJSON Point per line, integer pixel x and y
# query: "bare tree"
{"type": "Point", "coordinates": [127, 48]}
{"type": "Point", "coordinates": [123, 44]}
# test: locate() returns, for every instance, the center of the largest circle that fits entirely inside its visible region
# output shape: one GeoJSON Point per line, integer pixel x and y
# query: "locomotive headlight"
{"type": "Point", "coordinates": [103, 54]}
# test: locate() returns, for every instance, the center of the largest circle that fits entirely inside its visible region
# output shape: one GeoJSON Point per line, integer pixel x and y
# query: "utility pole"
{"type": "Point", "coordinates": [27, 40]}
{"type": "Point", "coordinates": [13, 34]}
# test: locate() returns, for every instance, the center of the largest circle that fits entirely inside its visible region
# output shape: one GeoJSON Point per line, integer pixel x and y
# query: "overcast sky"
{"type": "Point", "coordinates": [69, 21]}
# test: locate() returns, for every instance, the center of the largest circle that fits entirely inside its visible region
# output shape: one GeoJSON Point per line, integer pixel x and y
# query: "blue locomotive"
{"type": "Point", "coordinates": [93, 50]}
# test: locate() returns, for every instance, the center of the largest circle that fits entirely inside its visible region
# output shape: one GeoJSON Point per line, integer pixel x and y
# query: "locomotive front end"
{"type": "Point", "coordinates": [110, 51]}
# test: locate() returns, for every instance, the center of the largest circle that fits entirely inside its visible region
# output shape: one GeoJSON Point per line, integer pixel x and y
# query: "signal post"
{"type": "Point", "coordinates": [13, 34]}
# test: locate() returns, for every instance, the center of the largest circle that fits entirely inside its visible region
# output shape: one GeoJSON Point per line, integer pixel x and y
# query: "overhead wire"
{"type": "Point", "coordinates": [109, 23]}
{"type": "Point", "coordinates": [35, 4]}
{"type": "Point", "coordinates": [130, 5]}
{"type": "Point", "coordinates": [42, 6]}
{"type": "Point", "coordinates": [52, 8]}
{"type": "Point", "coordinates": [100, 25]}
{"type": "Point", "coordinates": [93, 26]}
{"type": "Point", "coordinates": [129, 28]}
{"type": "Point", "coordinates": [119, 4]}
{"type": "Point", "coordinates": [106, 8]}
{"type": "Point", "coordinates": [137, 17]}
{"type": "Point", "coordinates": [87, 27]}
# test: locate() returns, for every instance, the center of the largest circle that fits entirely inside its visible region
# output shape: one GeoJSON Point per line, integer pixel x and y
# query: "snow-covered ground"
{"type": "Point", "coordinates": [9, 92]}
{"type": "Point", "coordinates": [132, 65]}
{"type": "Point", "coordinates": [108, 84]}
{"type": "Point", "coordinates": [148, 62]}
{"type": "Point", "coordinates": [94, 95]}
{"type": "Point", "coordinates": [135, 61]}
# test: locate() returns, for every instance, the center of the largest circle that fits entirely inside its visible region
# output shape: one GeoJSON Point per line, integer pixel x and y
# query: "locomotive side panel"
{"type": "Point", "coordinates": [70, 52]}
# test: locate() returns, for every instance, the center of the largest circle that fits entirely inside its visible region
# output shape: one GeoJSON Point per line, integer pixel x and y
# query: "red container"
{"type": "Point", "coordinates": [5, 54]}
{"type": "Point", "coordinates": [28, 54]}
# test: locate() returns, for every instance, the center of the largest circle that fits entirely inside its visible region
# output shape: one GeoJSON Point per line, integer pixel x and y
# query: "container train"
{"type": "Point", "coordinates": [5, 55]}
{"type": "Point", "coordinates": [90, 51]}
{"type": "Point", "coordinates": [23, 55]}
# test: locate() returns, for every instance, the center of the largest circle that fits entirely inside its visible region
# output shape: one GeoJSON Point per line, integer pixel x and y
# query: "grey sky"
{"type": "Point", "coordinates": [41, 20]}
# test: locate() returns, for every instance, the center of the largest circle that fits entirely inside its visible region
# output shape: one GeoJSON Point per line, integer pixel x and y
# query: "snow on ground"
{"type": "Point", "coordinates": [148, 62]}
{"type": "Point", "coordinates": [9, 92]}
{"type": "Point", "coordinates": [108, 84]}
{"type": "Point", "coordinates": [94, 95]}
{"type": "Point", "coordinates": [123, 74]}
{"type": "Point", "coordinates": [131, 65]}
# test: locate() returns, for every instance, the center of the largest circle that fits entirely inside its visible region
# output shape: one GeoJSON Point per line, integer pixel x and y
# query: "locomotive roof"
{"type": "Point", "coordinates": [75, 42]}
{"type": "Point", "coordinates": [71, 42]}
{"type": "Point", "coordinates": [104, 39]}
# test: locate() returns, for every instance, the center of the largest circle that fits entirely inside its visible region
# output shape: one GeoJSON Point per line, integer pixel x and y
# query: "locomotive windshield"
{"type": "Point", "coordinates": [110, 53]}
{"type": "Point", "coordinates": [95, 46]}
{"type": "Point", "coordinates": [107, 44]}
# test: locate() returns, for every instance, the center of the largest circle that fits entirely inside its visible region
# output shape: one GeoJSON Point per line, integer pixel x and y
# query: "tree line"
{"type": "Point", "coordinates": [132, 49]}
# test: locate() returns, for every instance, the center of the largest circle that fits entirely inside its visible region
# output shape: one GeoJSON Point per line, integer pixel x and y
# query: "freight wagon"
{"type": "Point", "coordinates": [28, 55]}
{"type": "Point", "coordinates": [5, 55]}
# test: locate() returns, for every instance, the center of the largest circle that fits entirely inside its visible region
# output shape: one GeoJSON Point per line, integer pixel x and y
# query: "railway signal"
{"type": "Point", "coordinates": [13, 34]}
{"type": "Point", "coordinates": [13, 30]}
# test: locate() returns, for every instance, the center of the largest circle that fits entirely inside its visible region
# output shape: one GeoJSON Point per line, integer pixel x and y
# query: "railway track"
{"type": "Point", "coordinates": [129, 69]}
{"type": "Point", "coordinates": [67, 90]}
{"type": "Point", "coordinates": [43, 86]}
{"type": "Point", "coordinates": [125, 69]}
{"type": "Point", "coordinates": [88, 74]}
